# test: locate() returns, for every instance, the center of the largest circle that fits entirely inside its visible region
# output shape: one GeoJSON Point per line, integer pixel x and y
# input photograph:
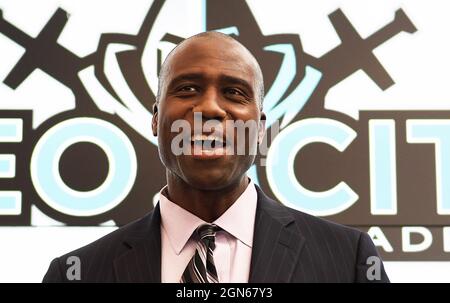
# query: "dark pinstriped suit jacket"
{"type": "Point", "coordinates": [288, 246]}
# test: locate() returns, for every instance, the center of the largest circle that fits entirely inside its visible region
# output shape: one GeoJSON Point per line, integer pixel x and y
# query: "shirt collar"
{"type": "Point", "coordinates": [238, 220]}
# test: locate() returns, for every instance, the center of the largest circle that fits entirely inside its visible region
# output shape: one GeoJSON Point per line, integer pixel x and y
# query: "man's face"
{"type": "Point", "coordinates": [218, 78]}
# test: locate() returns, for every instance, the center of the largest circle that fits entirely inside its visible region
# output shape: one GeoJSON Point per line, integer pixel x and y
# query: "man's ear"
{"type": "Point", "coordinates": [155, 120]}
{"type": "Point", "coordinates": [262, 127]}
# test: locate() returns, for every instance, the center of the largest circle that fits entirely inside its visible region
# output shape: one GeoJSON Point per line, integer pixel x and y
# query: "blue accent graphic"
{"type": "Point", "coordinates": [204, 15]}
{"type": "Point", "coordinates": [252, 173]}
{"type": "Point", "coordinates": [294, 103]}
{"type": "Point", "coordinates": [10, 130]}
{"type": "Point", "coordinates": [435, 131]}
{"type": "Point", "coordinates": [280, 171]}
{"type": "Point", "coordinates": [120, 157]}
{"type": "Point", "coordinates": [291, 105]}
{"type": "Point", "coordinates": [10, 203]}
{"type": "Point", "coordinates": [232, 30]}
{"type": "Point", "coordinates": [285, 75]}
{"type": "Point", "coordinates": [7, 202]}
{"type": "Point", "coordinates": [383, 188]}
{"type": "Point", "coordinates": [6, 166]}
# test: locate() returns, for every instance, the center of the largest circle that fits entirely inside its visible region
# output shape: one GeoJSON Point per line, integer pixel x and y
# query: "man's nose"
{"type": "Point", "coordinates": [210, 106]}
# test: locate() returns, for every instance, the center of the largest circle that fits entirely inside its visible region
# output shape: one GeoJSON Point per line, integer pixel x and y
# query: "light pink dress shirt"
{"type": "Point", "coordinates": [233, 251]}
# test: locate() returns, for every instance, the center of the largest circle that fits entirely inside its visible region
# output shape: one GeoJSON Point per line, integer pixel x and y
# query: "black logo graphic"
{"type": "Point", "coordinates": [296, 84]}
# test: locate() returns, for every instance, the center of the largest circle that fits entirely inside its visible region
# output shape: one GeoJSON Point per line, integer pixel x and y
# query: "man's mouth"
{"type": "Point", "coordinates": [208, 146]}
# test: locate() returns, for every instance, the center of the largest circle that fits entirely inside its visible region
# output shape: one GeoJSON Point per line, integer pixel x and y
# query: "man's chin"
{"type": "Point", "coordinates": [208, 182]}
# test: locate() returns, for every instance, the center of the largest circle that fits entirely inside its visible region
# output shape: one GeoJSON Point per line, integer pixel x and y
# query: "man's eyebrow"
{"type": "Point", "coordinates": [222, 79]}
{"type": "Point", "coordinates": [236, 80]}
{"type": "Point", "coordinates": [186, 77]}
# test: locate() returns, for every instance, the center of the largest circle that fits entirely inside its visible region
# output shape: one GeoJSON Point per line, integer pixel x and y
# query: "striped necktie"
{"type": "Point", "coordinates": [201, 268]}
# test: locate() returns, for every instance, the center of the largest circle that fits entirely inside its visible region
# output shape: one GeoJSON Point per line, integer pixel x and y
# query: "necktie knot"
{"type": "Point", "coordinates": [201, 268]}
{"type": "Point", "coordinates": [207, 234]}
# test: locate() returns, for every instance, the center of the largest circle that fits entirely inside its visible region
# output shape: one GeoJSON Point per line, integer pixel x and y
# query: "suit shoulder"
{"type": "Point", "coordinates": [95, 260]}
{"type": "Point", "coordinates": [338, 252]}
{"type": "Point", "coordinates": [319, 227]}
{"type": "Point", "coordinates": [111, 242]}
{"type": "Point", "coordinates": [309, 225]}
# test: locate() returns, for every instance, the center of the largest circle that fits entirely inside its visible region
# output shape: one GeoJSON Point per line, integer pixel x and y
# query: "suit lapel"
{"type": "Point", "coordinates": [142, 261]}
{"type": "Point", "coordinates": [277, 242]}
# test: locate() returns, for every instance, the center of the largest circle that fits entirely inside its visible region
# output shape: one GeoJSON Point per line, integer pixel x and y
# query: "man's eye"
{"type": "Point", "coordinates": [187, 88]}
{"type": "Point", "coordinates": [234, 91]}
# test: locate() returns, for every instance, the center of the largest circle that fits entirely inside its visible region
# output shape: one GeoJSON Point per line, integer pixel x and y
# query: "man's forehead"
{"type": "Point", "coordinates": [210, 56]}
{"type": "Point", "coordinates": [211, 42]}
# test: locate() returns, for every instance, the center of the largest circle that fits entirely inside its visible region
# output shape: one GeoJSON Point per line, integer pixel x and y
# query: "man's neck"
{"type": "Point", "coordinates": [208, 205]}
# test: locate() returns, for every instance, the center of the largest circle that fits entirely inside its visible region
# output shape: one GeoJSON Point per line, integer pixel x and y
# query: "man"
{"type": "Point", "coordinates": [212, 223]}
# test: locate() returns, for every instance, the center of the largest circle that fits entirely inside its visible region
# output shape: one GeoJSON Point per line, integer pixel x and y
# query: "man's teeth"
{"type": "Point", "coordinates": [207, 141]}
